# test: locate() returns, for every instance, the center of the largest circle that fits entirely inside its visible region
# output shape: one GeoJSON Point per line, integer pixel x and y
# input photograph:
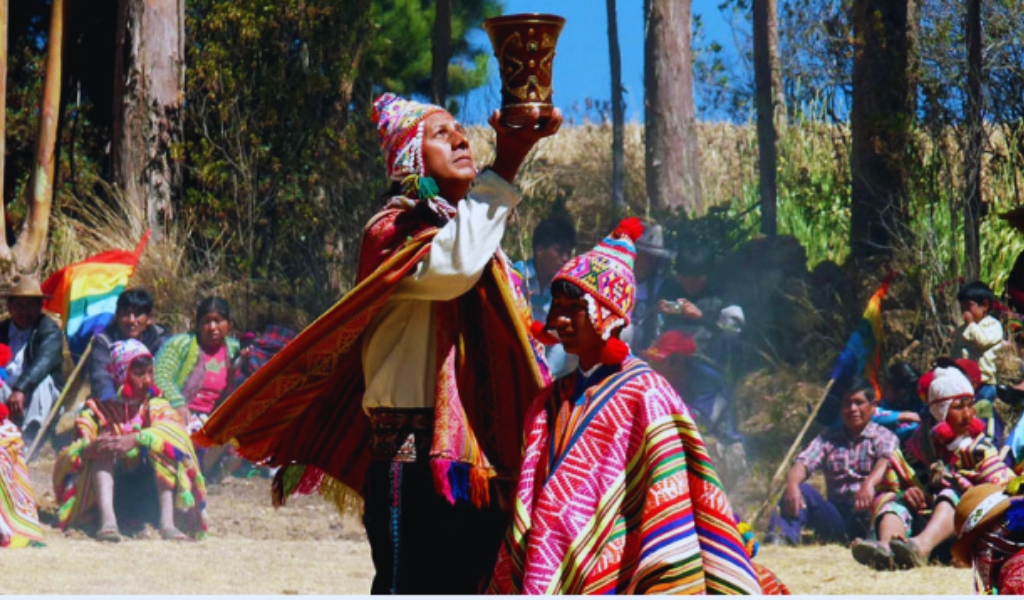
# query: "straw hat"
{"type": "Point", "coordinates": [980, 507]}
{"type": "Point", "coordinates": [25, 286]}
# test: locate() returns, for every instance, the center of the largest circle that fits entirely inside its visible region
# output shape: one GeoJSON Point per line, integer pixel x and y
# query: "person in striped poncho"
{"type": "Point", "coordinates": [121, 448]}
{"type": "Point", "coordinates": [617, 493]}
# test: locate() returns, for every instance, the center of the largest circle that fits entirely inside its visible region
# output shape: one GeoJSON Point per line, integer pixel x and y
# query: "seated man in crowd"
{"type": "Point", "coordinates": [131, 321]}
{"type": "Point", "coordinates": [35, 372]}
{"type": "Point", "coordinates": [949, 454]}
{"type": "Point", "coordinates": [854, 458]}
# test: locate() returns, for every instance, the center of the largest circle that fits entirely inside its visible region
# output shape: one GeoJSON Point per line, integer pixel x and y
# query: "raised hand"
{"type": "Point", "coordinates": [514, 143]}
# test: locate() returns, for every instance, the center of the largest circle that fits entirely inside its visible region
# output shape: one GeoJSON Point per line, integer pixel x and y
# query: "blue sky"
{"type": "Point", "coordinates": [582, 69]}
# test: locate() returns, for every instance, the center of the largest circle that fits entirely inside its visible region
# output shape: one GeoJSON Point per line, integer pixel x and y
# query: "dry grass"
{"type": "Point", "coordinates": [831, 570]}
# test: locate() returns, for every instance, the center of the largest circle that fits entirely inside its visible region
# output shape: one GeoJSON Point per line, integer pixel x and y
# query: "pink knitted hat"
{"type": "Point", "coordinates": [605, 274]}
{"type": "Point", "coordinates": [400, 127]}
{"type": "Point", "coordinates": [121, 356]}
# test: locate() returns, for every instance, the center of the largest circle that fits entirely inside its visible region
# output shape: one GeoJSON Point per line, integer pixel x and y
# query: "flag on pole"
{"type": "Point", "coordinates": [862, 354]}
{"type": "Point", "coordinates": [85, 294]}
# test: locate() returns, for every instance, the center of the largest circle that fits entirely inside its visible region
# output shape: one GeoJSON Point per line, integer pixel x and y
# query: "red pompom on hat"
{"type": "Point", "coordinates": [4, 412]}
{"type": "Point", "coordinates": [630, 227]}
{"type": "Point", "coordinates": [542, 335]}
{"type": "Point", "coordinates": [5, 355]}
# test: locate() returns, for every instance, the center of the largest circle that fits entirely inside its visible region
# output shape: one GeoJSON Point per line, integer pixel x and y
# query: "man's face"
{"type": "Point", "coordinates": [549, 259]}
{"type": "Point", "coordinates": [446, 154]}
{"type": "Point", "coordinates": [24, 311]}
{"type": "Point", "coordinates": [131, 322]}
{"type": "Point", "coordinates": [856, 411]}
{"type": "Point", "coordinates": [569, 319]}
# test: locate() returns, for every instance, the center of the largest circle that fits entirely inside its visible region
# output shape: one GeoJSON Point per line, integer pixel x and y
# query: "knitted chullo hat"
{"type": "Point", "coordinates": [400, 127]}
{"type": "Point", "coordinates": [947, 384]}
{"type": "Point", "coordinates": [122, 354]}
{"type": "Point", "coordinates": [605, 274]}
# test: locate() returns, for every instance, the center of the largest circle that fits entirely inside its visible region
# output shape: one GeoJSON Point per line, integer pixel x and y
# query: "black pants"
{"type": "Point", "coordinates": [420, 543]}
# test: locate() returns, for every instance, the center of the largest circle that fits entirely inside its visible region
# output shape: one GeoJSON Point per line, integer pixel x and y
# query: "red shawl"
{"type": "Point", "coordinates": [304, 407]}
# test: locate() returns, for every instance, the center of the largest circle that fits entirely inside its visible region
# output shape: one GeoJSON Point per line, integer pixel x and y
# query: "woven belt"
{"type": "Point", "coordinates": [401, 435]}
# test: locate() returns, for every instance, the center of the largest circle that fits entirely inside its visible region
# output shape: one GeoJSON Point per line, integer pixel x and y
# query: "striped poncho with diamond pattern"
{"type": "Point", "coordinates": [630, 504]}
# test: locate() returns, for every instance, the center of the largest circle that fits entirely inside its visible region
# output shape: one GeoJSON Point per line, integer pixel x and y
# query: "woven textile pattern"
{"type": "Point", "coordinates": [17, 500]}
{"type": "Point", "coordinates": [632, 505]}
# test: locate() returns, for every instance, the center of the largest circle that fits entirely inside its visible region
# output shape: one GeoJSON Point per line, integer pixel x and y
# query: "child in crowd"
{"type": "Point", "coordinates": [124, 446]}
{"type": "Point", "coordinates": [979, 339]}
{"type": "Point", "coordinates": [901, 408]}
{"type": "Point", "coordinates": [19, 515]}
{"type": "Point", "coordinates": [949, 454]}
{"type": "Point", "coordinates": [854, 458]}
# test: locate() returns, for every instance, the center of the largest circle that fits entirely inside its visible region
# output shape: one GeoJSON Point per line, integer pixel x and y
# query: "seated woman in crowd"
{"type": "Point", "coordinates": [949, 454]}
{"type": "Point", "coordinates": [121, 448]}
{"type": "Point", "coordinates": [193, 369]}
{"type": "Point", "coordinates": [854, 458]}
{"type": "Point", "coordinates": [19, 515]}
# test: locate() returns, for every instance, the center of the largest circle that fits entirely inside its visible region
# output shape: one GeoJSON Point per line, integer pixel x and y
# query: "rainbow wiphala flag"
{"type": "Point", "coordinates": [85, 294]}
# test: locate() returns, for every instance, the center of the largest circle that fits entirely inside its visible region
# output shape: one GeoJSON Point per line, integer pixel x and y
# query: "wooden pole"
{"type": "Point", "coordinates": [773, 486]}
{"type": "Point", "coordinates": [38, 442]}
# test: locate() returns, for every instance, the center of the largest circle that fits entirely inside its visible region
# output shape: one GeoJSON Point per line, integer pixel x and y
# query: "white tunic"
{"type": "Point", "coordinates": [399, 353]}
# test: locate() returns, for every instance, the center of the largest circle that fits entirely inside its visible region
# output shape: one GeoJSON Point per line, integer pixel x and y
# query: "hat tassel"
{"type": "Point", "coordinates": [614, 352]}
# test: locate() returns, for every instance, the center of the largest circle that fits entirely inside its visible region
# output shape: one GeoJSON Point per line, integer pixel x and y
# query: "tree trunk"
{"type": "Point", "coordinates": [618, 117]}
{"type": "Point", "coordinates": [5, 250]}
{"type": "Point", "coordinates": [31, 244]}
{"type": "Point", "coordinates": [770, 109]}
{"type": "Point", "coordinates": [149, 77]}
{"type": "Point", "coordinates": [883, 110]}
{"type": "Point", "coordinates": [441, 51]}
{"type": "Point", "coordinates": [972, 166]}
{"type": "Point", "coordinates": [672, 159]}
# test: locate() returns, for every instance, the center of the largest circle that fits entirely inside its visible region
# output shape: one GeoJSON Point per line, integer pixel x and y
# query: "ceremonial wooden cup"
{"type": "Point", "coordinates": [525, 48]}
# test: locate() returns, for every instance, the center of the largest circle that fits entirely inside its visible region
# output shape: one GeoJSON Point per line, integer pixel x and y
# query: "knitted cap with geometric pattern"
{"type": "Point", "coordinates": [605, 274]}
{"type": "Point", "coordinates": [400, 127]}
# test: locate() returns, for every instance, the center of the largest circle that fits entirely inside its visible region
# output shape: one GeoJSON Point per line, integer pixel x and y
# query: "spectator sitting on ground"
{"type": "Point", "coordinates": [131, 321]}
{"type": "Point", "coordinates": [121, 448]}
{"type": "Point", "coordinates": [35, 372]}
{"type": "Point", "coordinates": [193, 370]}
{"type": "Point", "coordinates": [914, 510]}
{"type": "Point", "coordinates": [854, 458]}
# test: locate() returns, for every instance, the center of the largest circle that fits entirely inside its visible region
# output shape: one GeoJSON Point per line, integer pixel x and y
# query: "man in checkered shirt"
{"type": "Point", "coordinates": [853, 459]}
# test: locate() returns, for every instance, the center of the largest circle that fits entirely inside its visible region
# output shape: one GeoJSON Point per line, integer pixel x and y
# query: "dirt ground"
{"type": "Point", "coordinates": [306, 548]}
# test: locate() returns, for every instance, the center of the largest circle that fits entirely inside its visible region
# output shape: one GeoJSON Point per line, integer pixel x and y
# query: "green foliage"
{"type": "Point", "coordinates": [399, 53]}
